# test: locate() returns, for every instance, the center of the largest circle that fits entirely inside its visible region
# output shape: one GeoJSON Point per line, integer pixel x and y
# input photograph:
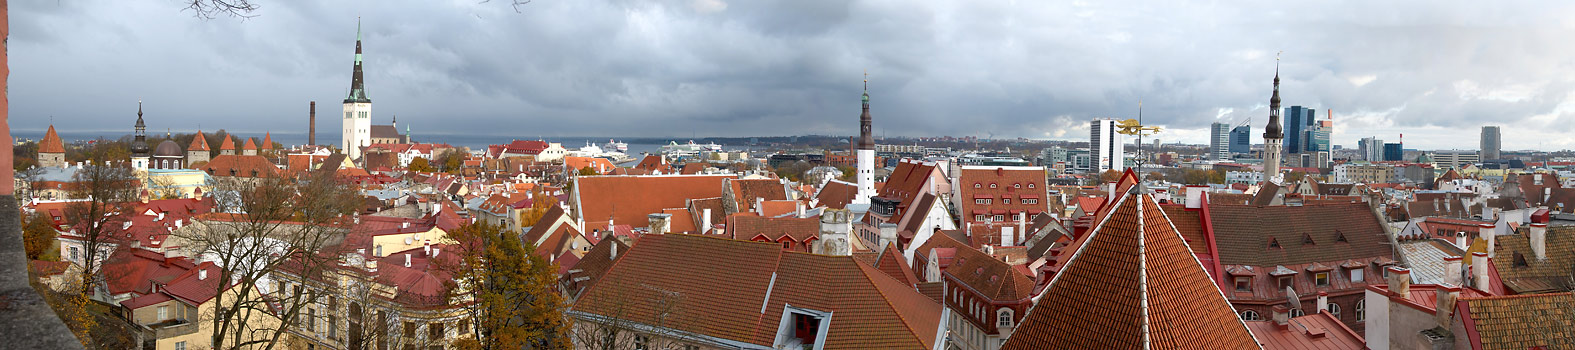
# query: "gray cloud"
{"type": "Point", "coordinates": [1434, 69]}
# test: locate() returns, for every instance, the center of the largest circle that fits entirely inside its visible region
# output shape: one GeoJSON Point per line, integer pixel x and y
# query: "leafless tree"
{"type": "Point", "coordinates": [261, 227]}
{"type": "Point", "coordinates": [610, 322]}
{"type": "Point", "coordinates": [100, 222]}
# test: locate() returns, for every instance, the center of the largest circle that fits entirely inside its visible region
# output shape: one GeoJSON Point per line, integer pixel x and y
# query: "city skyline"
{"type": "Point", "coordinates": [792, 70]}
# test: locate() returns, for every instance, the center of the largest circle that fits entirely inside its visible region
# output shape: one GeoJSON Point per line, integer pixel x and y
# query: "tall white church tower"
{"type": "Point", "coordinates": [358, 108]}
{"type": "Point", "coordinates": [865, 151]}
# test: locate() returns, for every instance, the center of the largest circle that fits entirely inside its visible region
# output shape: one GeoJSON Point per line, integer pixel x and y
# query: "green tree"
{"type": "Point", "coordinates": [588, 171]}
{"type": "Point", "coordinates": [39, 238]}
{"type": "Point", "coordinates": [420, 165]}
{"type": "Point", "coordinates": [515, 300]}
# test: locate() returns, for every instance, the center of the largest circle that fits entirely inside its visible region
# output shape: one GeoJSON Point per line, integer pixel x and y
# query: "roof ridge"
{"type": "Point", "coordinates": [1194, 259]}
{"type": "Point", "coordinates": [1516, 296]}
{"type": "Point", "coordinates": [1142, 271]}
{"type": "Point", "coordinates": [1088, 237]}
{"type": "Point", "coordinates": [776, 264]}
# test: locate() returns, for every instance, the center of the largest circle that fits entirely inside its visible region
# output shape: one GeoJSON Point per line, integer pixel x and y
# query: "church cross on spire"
{"type": "Point", "coordinates": [357, 87]}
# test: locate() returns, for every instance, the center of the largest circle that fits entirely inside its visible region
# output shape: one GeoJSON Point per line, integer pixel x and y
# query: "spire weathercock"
{"type": "Point", "coordinates": [139, 145]}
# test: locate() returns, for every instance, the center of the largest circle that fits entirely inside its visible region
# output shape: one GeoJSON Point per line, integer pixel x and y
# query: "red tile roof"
{"type": "Point", "coordinates": [198, 143]}
{"type": "Point", "coordinates": [1534, 321]}
{"type": "Point", "coordinates": [241, 166]}
{"type": "Point", "coordinates": [250, 145]}
{"type": "Point", "coordinates": [51, 142]}
{"type": "Point", "coordinates": [745, 192]}
{"type": "Point", "coordinates": [1001, 185]}
{"type": "Point", "coordinates": [836, 194]}
{"type": "Point", "coordinates": [1150, 292]}
{"type": "Point", "coordinates": [628, 199]}
{"type": "Point", "coordinates": [871, 309]}
{"type": "Point", "coordinates": [745, 226]}
{"type": "Point", "coordinates": [1244, 232]}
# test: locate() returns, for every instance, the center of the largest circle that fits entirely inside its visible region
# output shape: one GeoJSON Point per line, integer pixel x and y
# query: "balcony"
{"type": "Point", "coordinates": [173, 328]}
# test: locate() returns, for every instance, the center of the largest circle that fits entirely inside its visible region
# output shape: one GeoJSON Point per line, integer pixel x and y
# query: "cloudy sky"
{"type": "Point", "coordinates": [1433, 70]}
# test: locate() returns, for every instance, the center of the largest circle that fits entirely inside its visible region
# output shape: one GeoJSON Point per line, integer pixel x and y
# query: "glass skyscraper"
{"type": "Point", "coordinates": [1298, 120]}
{"type": "Point", "coordinates": [1241, 139]}
{"type": "Point", "coordinates": [1219, 141]}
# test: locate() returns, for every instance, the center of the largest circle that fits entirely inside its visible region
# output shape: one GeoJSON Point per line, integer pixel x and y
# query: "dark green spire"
{"type": "Point", "coordinates": [357, 88]}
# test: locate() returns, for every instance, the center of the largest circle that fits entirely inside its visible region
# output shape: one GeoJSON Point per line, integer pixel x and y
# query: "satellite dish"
{"type": "Point", "coordinates": [1294, 300]}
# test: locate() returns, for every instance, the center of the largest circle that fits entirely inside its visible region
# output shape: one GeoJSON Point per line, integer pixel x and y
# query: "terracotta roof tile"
{"type": "Point", "coordinates": [1005, 188]}
{"type": "Point", "coordinates": [836, 194]}
{"type": "Point", "coordinates": [1135, 271]}
{"type": "Point", "coordinates": [51, 142]}
{"type": "Point", "coordinates": [1518, 322]}
{"type": "Point", "coordinates": [1536, 275]}
{"type": "Point", "coordinates": [628, 199]}
{"type": "Point", "coordinates": [1244, 232]}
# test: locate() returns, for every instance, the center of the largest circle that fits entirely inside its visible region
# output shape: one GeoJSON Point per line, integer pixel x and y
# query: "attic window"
{"type": "Point", "coordinates": [1017, 185]}
{"type": "Point", "coordinates": [1274, 243]}
{"type": "Point", "coordinates": [1520, 260]}
{"type": "Point", "coordinates": [977, 185]}
{"type": "Point", "coordinates": [1030, 185]}
{"type": "Point", "coordinates": [1307, 239]}
{"type": "Point", "coordinates": [1340, 237]}
{"type": "Point", "coordinates": [992, 185]}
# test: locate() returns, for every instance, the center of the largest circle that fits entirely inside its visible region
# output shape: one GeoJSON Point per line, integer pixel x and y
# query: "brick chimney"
{"type": "Point", "coordinates": [660, 223]}
{"type": "Point", "coordinates": [1539, 240]}
{"type": "Point", "coordinates": [1452, 271]}
{"type": "Point", "coordinates": [1479, 275]}
{"type": "Point", "coordinates": [1486, 231]}
{"type": "Point", "coordinates": [311, 129]}
{"type": "Point", "coordinates": [1400, 281]}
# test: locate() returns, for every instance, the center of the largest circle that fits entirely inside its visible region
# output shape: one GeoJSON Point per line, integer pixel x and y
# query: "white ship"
{"type": "Point", "coordinates": [615, 146]}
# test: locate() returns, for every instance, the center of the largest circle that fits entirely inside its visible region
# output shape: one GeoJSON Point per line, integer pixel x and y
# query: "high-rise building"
{"type": "Point", "coordinates": [358, 109]}
{"type": "Point", "coordinates": [1490, 143]}
{"type": "Point", "coordinates": [1105, 146]}
{"type": "Point", "coordinates": [1219, 141]}
{"type": "Point", "coordinates": [1241, 138]}
{"type": "Point", "coordinates": [1298, 120]}
{"type": "Point", "coordinates": [1371, 148]}
{"type": "Point", "coordinates": [1394, 152]}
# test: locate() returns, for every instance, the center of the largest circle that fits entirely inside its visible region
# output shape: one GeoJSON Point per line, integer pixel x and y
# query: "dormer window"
{"type": "Point", "coordinates": [992, 185]}
{"type": "Point", "coordinates": [1030, 185]}
{"type": "Point", "coordinates": [1274, 243]}
{"type": "Point", "coordinates": [1003, 318]}
{"type": "Point", "coordinates": [977, 185]}
{"type": "Point", "coordinates": [1520, 260]}
{"type": "Point", "coordinates": [1321, 279]}
{"type": "Point", "coordinates": [1243, 284]}
{"type": "Point", "coordinates": [1017, 185]}
{"type": "Point", "coordinates": [1285, 282]}
{"type": "Point", "coordinates": [1307, 239]}
{"type": "Point", "coordinates": [801, 328]}
{"type": "Point", "coordinates": [1340, 237]}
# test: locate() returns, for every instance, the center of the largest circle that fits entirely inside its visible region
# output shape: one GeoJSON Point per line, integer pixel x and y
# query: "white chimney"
{"type": "Point", "coordinates": [1323, 301]}
{"type": "Point", "coordinates": [435, 252]}
{"type": "Point", "coordinates": [1479, 276]}
{"type": "Point", "coordinates": [1452, 270]}
{"type": "Point", "coordinates": [1022, 224]}
{"type": "Point", "coordinates": [407, 259]}
{"type": "Point", "coordinates": [1460, 240]}
{"type": "Point", "coordinates": [1539, 240]}
{"type": "Point", "coordinates": [356, 218]}
{"type": "Point", "coordinates": [202, 274]}
{"type": "Point", "coordinates": [1007, 237]}
{"type": "Point", "coordinates": [1195, 196]}
{"type": "Point", "coordinates": [160, 217]}
{"type": "Point", "coordinates": [404, 224]}
{"type": "Point", "coordinates": [1486, 232]}
{"type": "Point", "coordinates": [614, 253]}
{"type": "Point", "coordinates": [1110, 192]}
{"type": "Point", "coordinates": [1282, 316]}
{"type": "Point", "coordinates": [798, 209]}
{"type": "Point", "coordinates": [1447, 295]}
{"type": "Point", "coordinates": [705, 222]}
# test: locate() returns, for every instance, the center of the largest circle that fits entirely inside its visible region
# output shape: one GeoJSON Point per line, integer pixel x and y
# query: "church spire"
{"type": "Point", "coordinates": [357, 89]}
{"type": "Point", "coordinates": [139, 145]}
{"type": "Point", "coordinates": [1273, 131]}
{"type": "Point", "coordinates": [866, 138]}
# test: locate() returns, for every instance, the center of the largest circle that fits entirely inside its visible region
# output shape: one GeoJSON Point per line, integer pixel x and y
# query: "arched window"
{"type": "Point", "coordinates": [1003, 318]}
{"type": "Point", "coordinates": [1297, 313]}
{"type": "Point", "coordinates": [1334, 309]}
{"type": "Point", "coordinates": [1361, 310]}
{"type": "Point", "coordinates": [1249, 315]}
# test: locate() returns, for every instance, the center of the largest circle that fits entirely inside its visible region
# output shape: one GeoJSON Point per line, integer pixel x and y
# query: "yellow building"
{"type": "Point", "coordinates": [174, 183]}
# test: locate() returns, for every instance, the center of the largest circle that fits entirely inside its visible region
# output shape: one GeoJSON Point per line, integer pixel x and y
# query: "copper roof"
{"type": "Point", "coordinates": [1320, 331]}
{"type": "Point", "coordinates": [51, 142]}
{"type": "Point", "coordinates": [1136, 273]}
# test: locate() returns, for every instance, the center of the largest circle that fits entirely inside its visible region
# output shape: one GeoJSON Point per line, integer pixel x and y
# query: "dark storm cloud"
{"type": "Point", "coordinates": [1435, 70]}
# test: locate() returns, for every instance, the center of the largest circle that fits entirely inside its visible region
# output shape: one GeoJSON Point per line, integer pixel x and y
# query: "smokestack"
{"type": "Point", "coordinates": [1282, 316]}
{"type": "Point", "coordinates": [1447, 295]}
{"type": "Point", "coordinates": [311, 130]}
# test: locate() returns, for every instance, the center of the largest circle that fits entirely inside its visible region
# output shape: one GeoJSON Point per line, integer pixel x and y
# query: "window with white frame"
{"type": "Point", "coordinates": [1361, 310]}
{"type": "Point", "coordinates": [1000, 217]}
{"type": "Point", "coordinates": [75, 256]}
{"type": "Point", "coordinates": [1249, 315]}
{"type": "Point", "coordinates": [180, 345]}
{"type": "Point", "coordinates": [981, 201]}
{"type": "Point", "coordinates": [1003, 318]}
{"type": "Point", "coordinates": [1030, 201]}
{"type": "Point", "coordinates": [164, 313]}
{"type": "Point", "coordinates": [1357, 275]}
{"type": "Point", "coordinates": [642, 342]}
{"type": "Point", "coordinates": [1006, 201]}
{"type": "Point", "coordinates": [1297, 313]}
{"type": "Point", "coordinates": [1334, 309]}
